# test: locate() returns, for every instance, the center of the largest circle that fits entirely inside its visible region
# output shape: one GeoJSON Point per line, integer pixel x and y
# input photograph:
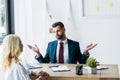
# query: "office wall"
{"type": "Point", "coordinates": [31, 27]}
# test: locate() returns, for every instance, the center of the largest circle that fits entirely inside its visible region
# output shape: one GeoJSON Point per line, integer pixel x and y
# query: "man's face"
{"type": "Point", "coordinates": [59, 32]}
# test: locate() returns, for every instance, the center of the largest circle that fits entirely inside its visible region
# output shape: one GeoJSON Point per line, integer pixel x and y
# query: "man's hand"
{"type": "Point", "coordinates": [89, 47]}
{"type": "Point", "coordinates": [34, 49]}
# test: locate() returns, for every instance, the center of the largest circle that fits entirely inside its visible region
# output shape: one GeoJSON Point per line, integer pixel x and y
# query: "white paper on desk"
{"type": "Point", "coordinates": [60, 69]}
{"type": "Point", "coordinates": [101, 67]}
{"type": "Point", "coordinates": [98, 67]}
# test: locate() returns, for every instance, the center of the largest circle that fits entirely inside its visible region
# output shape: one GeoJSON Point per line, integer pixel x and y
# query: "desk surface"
{"type": "Point", "coordinates": [112, 73]}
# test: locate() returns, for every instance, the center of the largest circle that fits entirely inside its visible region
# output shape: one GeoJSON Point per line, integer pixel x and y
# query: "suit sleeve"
{"type": "Point", "coordinates": [45, 59]}
{"type": "Point", "coordinates": [81, 57]}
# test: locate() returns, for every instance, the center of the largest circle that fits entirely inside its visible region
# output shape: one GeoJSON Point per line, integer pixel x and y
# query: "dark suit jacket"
{"type": "Point", "coordinates": [73, 49]}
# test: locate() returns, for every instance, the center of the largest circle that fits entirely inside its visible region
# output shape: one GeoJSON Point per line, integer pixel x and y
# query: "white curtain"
{"type": "Point", "coordinates": [71, 28]}
{"type": "Point", "coordinates": [31, 28]}
{"type": "Point", "coordinates": [24, 27]}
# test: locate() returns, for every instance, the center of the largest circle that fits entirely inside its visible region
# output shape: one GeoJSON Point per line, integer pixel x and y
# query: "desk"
{"type": "Point", "coordinates": [112, 73]}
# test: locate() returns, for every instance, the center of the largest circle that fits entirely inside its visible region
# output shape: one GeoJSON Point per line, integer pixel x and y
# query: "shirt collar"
{"type": "Point", "coordinates": [64, 41]}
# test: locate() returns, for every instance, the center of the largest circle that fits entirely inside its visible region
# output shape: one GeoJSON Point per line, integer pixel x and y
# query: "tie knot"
{"type": "Point", "coordinates": [61, 43]}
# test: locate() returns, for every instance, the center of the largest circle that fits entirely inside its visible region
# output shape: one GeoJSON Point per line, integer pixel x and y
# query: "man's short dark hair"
{"type": "Point", "coordinates": [58, 24]}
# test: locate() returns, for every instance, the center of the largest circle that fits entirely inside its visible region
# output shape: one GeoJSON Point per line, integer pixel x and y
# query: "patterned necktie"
{"type": "Point", "coordinates": [61, 60]}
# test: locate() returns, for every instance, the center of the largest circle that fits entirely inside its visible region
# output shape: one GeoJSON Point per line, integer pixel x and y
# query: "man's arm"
{"type": "Point", "coordinates": [42, 59]}
{"type": "Point", "coordinates": [89, 47]}
{"type": "Point", "coordinates": [86, 53]}
{"type": "Point", "coordinates": [35, 49]}
{"type": "Point", "coordinates": [38, 56]}
{"type": "Point", "coordinates": [81, 57]}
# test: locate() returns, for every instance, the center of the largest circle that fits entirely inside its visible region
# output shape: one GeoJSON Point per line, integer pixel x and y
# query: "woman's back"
{"type": "Point", "coordinates": [16, 72]}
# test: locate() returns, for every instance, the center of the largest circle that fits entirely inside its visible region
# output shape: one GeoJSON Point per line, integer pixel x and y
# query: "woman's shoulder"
{"type": "Point", "coordinates": [17, 67]}
{"type": "Point", "coordinates": [20, 71]}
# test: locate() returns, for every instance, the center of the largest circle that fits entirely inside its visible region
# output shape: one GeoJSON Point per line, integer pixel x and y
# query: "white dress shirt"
{"type": "Point", "coordinates": [65, 52]}
{"type": "Point", "coordinates": [15, 72]}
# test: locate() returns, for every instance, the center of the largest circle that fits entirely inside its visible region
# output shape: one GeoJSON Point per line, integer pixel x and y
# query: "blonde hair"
{"type": "Point", "coordinates": [11, 50]}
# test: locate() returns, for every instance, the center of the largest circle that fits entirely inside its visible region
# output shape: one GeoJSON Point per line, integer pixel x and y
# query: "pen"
{"type": "Point", "coordinates": [53, 66]}
{"type": "Point", "coordinates": [35, 67]}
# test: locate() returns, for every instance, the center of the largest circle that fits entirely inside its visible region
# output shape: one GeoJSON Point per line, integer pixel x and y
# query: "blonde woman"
{"type": "Point", "coordinates": [11, 66]}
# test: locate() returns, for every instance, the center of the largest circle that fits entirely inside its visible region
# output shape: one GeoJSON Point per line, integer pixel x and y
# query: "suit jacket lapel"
{"type": "Point", "coordinates": [54, 51]}
{"type": "Point", "coordinates": [70, 51]}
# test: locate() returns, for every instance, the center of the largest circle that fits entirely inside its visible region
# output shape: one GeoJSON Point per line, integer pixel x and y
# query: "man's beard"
{"type": "Point", "coordinates": [59, 36]}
